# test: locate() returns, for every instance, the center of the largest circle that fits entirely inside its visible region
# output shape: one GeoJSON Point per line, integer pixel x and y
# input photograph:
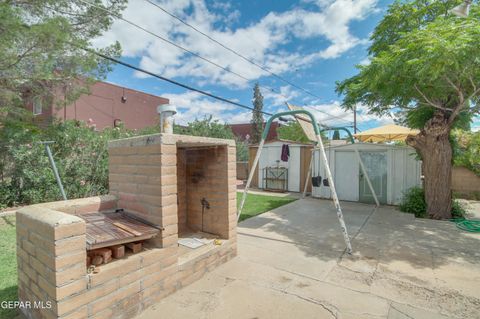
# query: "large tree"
{"type": "Point", "coordinates": [424, 62]}
{"type": "Point", "coordinates": [42, 49]}
{"type": "Point", "coordinates": [292, 131]}
{"type": "Point", "coordinates": [257, 116]}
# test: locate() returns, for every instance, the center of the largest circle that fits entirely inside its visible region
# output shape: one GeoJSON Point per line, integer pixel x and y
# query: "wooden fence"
{"type": "Point", "coordinates": [242, 170]}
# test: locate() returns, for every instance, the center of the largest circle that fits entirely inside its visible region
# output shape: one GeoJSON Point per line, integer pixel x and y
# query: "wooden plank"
{"type": "Point", "coordinates": [127, 228]}
{"type": "Point", "coordinates": [107, 229]}
{"type": "Point", "coordinates": [120, 241]}
{"type": "Point", "coordinates": [305, 156]}
{"type": "Point", "coordinates": [252, 152]}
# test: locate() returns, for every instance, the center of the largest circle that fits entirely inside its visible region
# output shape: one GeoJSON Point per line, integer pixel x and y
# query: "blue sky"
{"type": "Point", "coordinates": [312, 43]}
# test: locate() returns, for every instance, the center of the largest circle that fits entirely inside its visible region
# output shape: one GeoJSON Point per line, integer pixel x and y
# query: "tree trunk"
{"type": "Point", "coordinates": [434, 147]}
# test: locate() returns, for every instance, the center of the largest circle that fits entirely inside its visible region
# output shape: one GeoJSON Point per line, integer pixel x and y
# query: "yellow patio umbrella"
{"type": "Point", "coordinates": [387, 133]}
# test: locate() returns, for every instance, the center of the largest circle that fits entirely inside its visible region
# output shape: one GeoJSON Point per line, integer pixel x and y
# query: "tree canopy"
{"type": "Point", "coordinates": [420, 66]}
{"type": "Point", "coordinates": [425, 66]}
{"type": "Point", "coordinates": [257, 116]}
{"type": "Point", "coordinates": [292, 131]}
{"type": "Point", "coordinates": [41, 47]}
{"type": "Point", "coordinates": [209, 127]}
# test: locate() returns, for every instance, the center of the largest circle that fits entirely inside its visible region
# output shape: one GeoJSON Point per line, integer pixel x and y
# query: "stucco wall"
{"type": "Point", "coordinates": [104, 104]}
{"type": "Point", "coordinates": [465, 181]}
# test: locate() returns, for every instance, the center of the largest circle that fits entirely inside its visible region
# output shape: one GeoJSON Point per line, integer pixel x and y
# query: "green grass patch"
{"type": "Point", "coordinates": [8, 264]}
{"type": "Point", "coordinates": [258, 204]}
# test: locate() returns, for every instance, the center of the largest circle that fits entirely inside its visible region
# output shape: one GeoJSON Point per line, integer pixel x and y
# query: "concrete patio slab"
{"type": "Point", "coordinates": [292, 264]}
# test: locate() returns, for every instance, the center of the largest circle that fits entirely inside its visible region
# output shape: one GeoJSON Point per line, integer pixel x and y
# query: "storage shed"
{"type": "Point", "coordinates": [275, 174]}
{"type": "Point", "coordinates": [392, 170]}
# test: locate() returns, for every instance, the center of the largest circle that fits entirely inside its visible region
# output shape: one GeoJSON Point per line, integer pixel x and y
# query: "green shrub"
{"type": "Point", "coordinates": [458, 211]}
{"type": "Point", "coordinates": [81, 156]}
{"type": "Point", "coordinates": [413, 202]}
{"type": "Point", "coordinates": [466, 150]}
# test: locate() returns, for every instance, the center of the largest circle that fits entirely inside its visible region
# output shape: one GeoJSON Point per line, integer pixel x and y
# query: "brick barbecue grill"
{"type": "Point", "coordinates": [165, 189]}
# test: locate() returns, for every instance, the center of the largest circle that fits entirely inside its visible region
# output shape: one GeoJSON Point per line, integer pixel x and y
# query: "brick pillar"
{"type": "Point", "coordinates": [232, 192]}
{"type": "Point", "coordinates": [51, 254]}
{"type": "Point", "coordinates": [143, 175]}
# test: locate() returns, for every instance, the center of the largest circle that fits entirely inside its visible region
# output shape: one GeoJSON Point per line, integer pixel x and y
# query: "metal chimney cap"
{"type": "Point", "coordinates": [166, 108]}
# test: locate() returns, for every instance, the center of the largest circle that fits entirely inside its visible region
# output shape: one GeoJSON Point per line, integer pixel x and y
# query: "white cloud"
{"type": "Point", "coordinates": [275, 98]}
{"type": "Point", "coordinates": [365, 61]}
{"type": "Point", "coordinates": [337, 116]}
{"type": "Point", "coordinates": [259, 41]}
{"type": "Point", "coordinates": [193, 105]}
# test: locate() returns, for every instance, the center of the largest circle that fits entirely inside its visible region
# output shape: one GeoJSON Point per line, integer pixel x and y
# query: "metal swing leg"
{"type": "Point", "coordinates": [334, 195]}
{"type": "Point", "coordinates": [250, 176]}
{"type": "Point", "coordinates": [325, 161]}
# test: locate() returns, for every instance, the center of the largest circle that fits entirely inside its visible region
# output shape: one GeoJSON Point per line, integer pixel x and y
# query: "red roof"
{"type": "Point", "coordinates": [242, 130]}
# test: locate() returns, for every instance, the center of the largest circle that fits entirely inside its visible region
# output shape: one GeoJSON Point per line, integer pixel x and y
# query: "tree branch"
{"type": "Point", "coordinates": [474, 86]}
{"type": "Point", "coordinates": [435, 105]}
{"type": "Point", "coordinates": [19, 57]}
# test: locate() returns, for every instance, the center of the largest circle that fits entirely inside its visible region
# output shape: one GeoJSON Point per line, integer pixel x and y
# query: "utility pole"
{"type": "Point", "coordinates": [355, 119]}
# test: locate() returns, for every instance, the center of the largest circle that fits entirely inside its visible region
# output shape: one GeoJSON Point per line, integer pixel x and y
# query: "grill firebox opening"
{"type": "Point", "coordinates": [202, 185]}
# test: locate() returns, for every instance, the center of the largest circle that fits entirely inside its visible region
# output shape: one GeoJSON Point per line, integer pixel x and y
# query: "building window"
{"type": "Point", "coordinates": [37, 106]}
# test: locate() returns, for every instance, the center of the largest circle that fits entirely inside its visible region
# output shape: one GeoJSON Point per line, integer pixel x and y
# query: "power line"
{"type": "Point", "coordinates": [128, 65]}
{"type": "Point", "coordinates": [186, 50]}
{"type": "Point", "coordinates": [262, 67]}
{"type": "Point", "coordinates": [226, 69]}
{"type": "Point", "coordinates": [191, 52]}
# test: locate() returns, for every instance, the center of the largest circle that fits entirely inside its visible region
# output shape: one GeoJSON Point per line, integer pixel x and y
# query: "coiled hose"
{"type": "Point", "coordinates": [472, 226]}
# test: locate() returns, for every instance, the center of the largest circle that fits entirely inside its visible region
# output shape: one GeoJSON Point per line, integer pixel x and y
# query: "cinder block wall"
{"type": "Point", "coordinates": [51, 253]}
{"type": "Point", "coordinates": [143, 176]}
{"type": "Point", "coordinates": [465, 182]}
{"type": "Point", "coordinates": [182, 189]}
{"type": "Point", "coordinates": [152, 177]}
{"type": "Point", "coordinates": [51, 245]}
{"type": "Point", "coordinates": [207, 178]}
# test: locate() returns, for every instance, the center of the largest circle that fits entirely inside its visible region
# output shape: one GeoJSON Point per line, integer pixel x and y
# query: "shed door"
{"type": "Point", "coordinates": [376, 167]}
{"type": "Point", "coordinates": [346, 171]}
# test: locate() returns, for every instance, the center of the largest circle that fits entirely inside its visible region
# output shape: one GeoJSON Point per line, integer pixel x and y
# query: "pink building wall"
{"type": "Point", "coordinates": [104, 105]}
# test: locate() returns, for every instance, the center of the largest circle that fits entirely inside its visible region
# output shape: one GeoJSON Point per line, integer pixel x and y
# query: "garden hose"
{"type": "Point", "coordinates": [472, 226]}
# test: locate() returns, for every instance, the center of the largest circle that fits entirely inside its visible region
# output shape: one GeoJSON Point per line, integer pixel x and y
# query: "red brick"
{"type": "Point", "coordinates": [135, 247]}
{"type": "Point", "coordinates": [118, 251]}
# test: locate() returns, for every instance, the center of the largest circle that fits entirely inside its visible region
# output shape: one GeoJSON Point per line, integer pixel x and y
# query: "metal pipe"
{"type": "Point", "coordinates": [54, 168]}
{"type": "Point", "coordinates": [334, 195]}
{"type": "Point", "coordinates": [250, 176]}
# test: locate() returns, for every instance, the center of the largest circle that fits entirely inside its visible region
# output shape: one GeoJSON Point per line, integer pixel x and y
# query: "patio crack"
{"type": "Point", "coordinates": [325, 305]}
{"type": "Point", "coordinates": [403, 313]}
